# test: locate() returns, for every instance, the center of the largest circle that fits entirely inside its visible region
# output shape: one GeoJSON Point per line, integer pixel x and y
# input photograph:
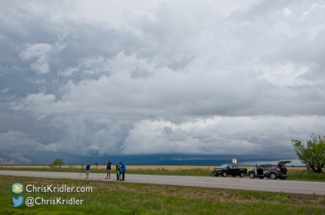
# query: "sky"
{"type": "Point", "coordinates": [85, 79]}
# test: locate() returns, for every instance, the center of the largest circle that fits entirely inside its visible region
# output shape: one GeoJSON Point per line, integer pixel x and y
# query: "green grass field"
{"type": "Point", "coordinates": [126, 198]}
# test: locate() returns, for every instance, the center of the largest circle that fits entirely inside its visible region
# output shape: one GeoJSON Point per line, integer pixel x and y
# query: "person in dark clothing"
{"type": "Point", "coordinates": [123, 170]}
{"type": "Point", "coordinates": [87, 169]}
{"type": "Point", "coordinates": [108, 169]}
{"type": "Point", "coordinates": [118, 172]}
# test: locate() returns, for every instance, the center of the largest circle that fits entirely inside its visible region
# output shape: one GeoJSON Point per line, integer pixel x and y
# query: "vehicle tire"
{"type": "Point", "coordinates": [273, 176]}
{"type": "Point", "coordinates": [283, 178]}
{"type": "Point", "coordinates": [224, 174]}
{"type": "Point", "coordinates": [261, 177]}
{"type": "Point", "coordinates": [233, 175]}
{"type": "Point", "coordinates": [252, 175]}
{"type": "Point", "coordinates": [241, 174]}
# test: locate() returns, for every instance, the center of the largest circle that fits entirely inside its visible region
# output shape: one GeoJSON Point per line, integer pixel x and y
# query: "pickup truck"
{"type": "Point", "coordinates": [229, 169]}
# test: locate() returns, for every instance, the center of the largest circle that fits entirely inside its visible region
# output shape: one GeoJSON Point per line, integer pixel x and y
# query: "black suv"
{"type": "Point", "coordinates": [270, 171]}
{"type": "Point", "coordinates": [229, 169]}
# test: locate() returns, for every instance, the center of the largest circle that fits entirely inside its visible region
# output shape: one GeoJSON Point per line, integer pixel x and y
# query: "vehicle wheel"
{"type": "Point", "coordinates": [261, 177]}
{"type": "Point", "coordinates": [273, 176]}
{"type": "Point", "coordinates": [224, 174]}
{"type": "Point", "coordinates": [252, 175]}
{"type": "Point", "coordinates": [283, 178]}
{"type": "Point", "coordinates": [233, 175]}
{"type": "Point", "coordinates": [241, 174]}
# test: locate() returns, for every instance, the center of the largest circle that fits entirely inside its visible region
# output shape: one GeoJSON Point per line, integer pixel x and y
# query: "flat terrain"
{"type": "Point", "coordinates": [137, 167]}
{"type": "Point", "coordinates": [130, 167]}
{"type": "Point", "coordinates": [299, 187]}
{"type": "Point", "coordinates": [295, 173]}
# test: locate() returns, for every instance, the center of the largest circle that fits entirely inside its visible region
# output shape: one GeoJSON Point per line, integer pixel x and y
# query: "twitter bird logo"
{"type": "Point", "coordinates": [17, 202]}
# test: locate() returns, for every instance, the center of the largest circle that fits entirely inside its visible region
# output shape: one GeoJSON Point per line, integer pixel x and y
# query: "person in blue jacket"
{"type": "Point", "coordinates": [123, 170]}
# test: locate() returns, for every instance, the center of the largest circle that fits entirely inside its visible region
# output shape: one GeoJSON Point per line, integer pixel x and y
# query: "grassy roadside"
{"type": "Point", "coordinates": [294, 173]}
{"type": "Point", "coordinates": [126, 198]}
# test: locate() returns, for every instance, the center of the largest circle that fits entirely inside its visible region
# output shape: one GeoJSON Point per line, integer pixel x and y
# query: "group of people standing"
{"type": "Point", "coordinates": [120, 170]}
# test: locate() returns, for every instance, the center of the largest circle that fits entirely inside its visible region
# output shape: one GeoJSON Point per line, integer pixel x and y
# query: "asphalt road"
{"type": "Point", "coordinates": [299, 187]}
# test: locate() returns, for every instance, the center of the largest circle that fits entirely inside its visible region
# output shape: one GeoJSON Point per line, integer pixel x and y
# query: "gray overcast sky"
{"type": "Point", "coordinates": [145, 77]}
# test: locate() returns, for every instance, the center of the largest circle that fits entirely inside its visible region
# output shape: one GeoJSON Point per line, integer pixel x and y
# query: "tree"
{"type": "Point", "coordinates": [57, 162]}
{"type": "Point", "coordinates": [311, 153]}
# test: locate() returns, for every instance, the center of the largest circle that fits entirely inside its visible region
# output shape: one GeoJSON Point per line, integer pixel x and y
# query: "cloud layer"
{"type": "Point", "coordinates": [165, 77]}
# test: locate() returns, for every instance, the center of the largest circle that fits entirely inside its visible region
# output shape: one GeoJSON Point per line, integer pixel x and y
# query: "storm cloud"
{"type": "Point", "coordinates": [165, 77]}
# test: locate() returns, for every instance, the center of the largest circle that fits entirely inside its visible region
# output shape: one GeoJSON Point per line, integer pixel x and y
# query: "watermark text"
{"type": "Point", "coordinates": [31, 201]}
{"type": "Point", "coordinates": [30, 188]}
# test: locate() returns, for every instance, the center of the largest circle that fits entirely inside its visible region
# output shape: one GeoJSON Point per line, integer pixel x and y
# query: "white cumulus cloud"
{"type": "Point", "coordinates": [39, 54]}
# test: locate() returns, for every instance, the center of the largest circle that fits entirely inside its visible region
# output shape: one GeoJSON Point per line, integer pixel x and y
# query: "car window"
{"type": "Point", "coordinates": [224, 166]}
{"type": "Point", "coordinates": [267, 166]}
{"type": "Point", "coordinates": [233, 166]}
{"type": "Point", "coordinates": [230, 166]}
{"type": "Point", "coordinates": [282, 167]}
{"type": "Point", "coordinates": [260, 167]}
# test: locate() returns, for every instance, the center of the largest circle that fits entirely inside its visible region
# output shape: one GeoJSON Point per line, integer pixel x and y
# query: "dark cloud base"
{"type": "Point", "coordinates": [159, 159]}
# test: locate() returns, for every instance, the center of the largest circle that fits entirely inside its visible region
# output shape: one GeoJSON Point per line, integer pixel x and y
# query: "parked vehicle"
{"type": "Point", "coordinates": [229, 169]}
{"type": "Point", "coordinates": [270, 171]}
